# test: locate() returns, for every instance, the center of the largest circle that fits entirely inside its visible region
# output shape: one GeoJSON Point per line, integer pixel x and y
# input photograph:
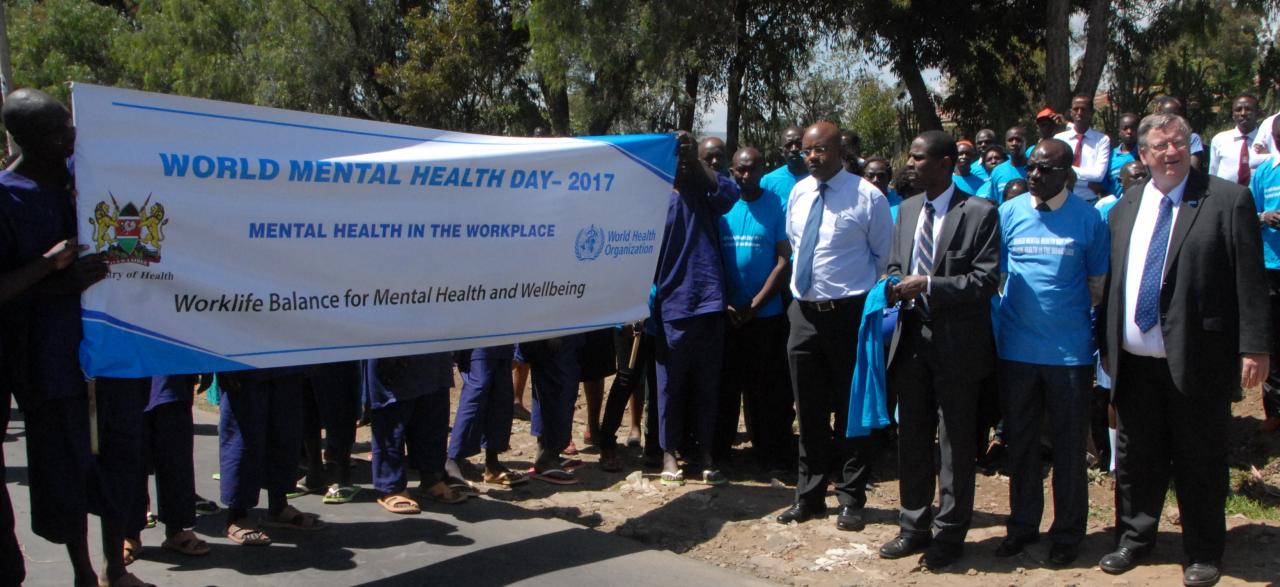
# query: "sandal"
{"type": "Point", "coordinates": [132, 551]}
{"type": "Point", "coordinates": [555, 476]}
{"type": "Point", "coordinates": [462, 487]}
{"type": "Point", "coordinates": [125, 580]}
{"type": "Point", "coordinates": [292, 519]}
{"type": "Point", "coordinates": [339, 494]}
{"type": "Point", "coordinates": [670, 479]}
{"type": "Point", "coordinates": [714, 477]}
{"type": "Point", "coordinates": [246, 534]}
{"type": "Point", "coordinates": [571, 450]}
{"type": "Point", "coordinates": [300, 490]}
{"type": "Point", "coordinates": [441, 492]}
{"type": "Point", "coordinates": [507, 478]}
{"type": "Point", "coordinates": [571, 464]}
{"type": "Point", "coordinates": [206, 507]}
{"type": "Point", "coordinates": [399, 503]}
{"type": "Point", "coordinates": [185, 542]}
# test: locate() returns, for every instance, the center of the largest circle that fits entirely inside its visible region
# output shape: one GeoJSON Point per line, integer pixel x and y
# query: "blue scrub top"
{"type": "Point", "coordinates": [168, 389]}
{"type": "Point", "coordinates": [968, 184]}
{"type": "Point", "coordinates": [780, 182]}
{"type": "Point", "coordinates": [749, 236]}
{"type": "Point", "coordinates": [1001, 175]}
{"type": "Point", "coordinates": [389, 380]}
{"type": "Point", "coordinates": [690, 276]}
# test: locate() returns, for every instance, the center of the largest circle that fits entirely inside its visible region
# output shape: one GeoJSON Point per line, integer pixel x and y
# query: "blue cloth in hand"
{"type": "Point", "coordinates": [867, 404]}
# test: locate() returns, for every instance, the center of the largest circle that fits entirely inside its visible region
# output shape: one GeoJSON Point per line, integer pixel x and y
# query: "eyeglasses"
{"type": "Point", "coordinates": [1046, 168]}
{"type": "Point", "coordinates": [1177, 145]}
{"type": "Point", "coordinates": [811, 151]}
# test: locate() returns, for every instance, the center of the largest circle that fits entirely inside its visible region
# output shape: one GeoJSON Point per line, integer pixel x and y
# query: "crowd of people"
{"type": "Point", "coordinates": [1110, 299]}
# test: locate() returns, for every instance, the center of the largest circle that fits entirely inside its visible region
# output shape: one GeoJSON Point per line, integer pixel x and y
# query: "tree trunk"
{"type": "Point", "coordinates": [737, 69]}
{"type": "Point", "coordinates": [556, 97]}
{"type": "Point", "coordinates": [1057, 57]}
{"type": "Point", "coordinates": [908, 70]}
{"type": "Point", "coordinates": [687, 109]}
{"type": "Point", "coordinates": [1096, 47]}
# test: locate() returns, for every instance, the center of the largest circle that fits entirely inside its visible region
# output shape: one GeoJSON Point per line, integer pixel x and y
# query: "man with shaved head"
{"type": "Point", "coordinates": [982, 140]}
{"type": "Point", "coordinates": [1053, 262]}
{"type": "Point", "coordinates": [840, 228]}
{"type": "Point", "coordinates": [780, 181]}
{"type": "Point", "coordinates": [946, 254]}
{"type": "Point", "coordinates": [712, 152]}
{"type": "Point", "coordinates": [1015, 142]}
{"type": "Point", "coordinates": [753, 242]}
{"type": "Point", "coordinates": [851, 144]}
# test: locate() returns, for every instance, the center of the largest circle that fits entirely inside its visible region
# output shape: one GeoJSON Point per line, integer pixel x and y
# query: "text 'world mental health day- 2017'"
{"type": "Point", "coordinates": [247, 237]}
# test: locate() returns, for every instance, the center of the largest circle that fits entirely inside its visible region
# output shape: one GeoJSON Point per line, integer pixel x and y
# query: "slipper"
{"type": "Point", "coordinates": [462, 486]}
{"type": "Point", "coordinates": [506, 478]}
{"type": "Point", "coordinates": [399, 503]}
{"type": "Point", "coordinates": [339, 494]}
{"type": "Point", "coordinates": [571, 450]}
{"type": "Point", "coordinates": [441, 492]}
{"type": "Point", "coordinates": [555, 477]}
{"type": "Point", "coordinates": [292, 519]}
{"type": "Point", "coordinates": [206, 507]}
{"type": "Point", "coordinates": [714, 477]}
{"type": "Point", "coordinates": [246, 534]}
{"type": "Point", "coordinates": [185, 542]}
{"type": "Point", "coordinates": [300, 490]}
{"type": "Point", "coordinates": [132, 551]}
{"type": "Point", "coordinates": [571, 464]}
{"type": "Point", "coordinates": [125, 580]}
{"type": "Point", "coordinates": [675, 479]}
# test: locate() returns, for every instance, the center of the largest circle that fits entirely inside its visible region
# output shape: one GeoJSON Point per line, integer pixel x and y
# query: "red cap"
{"type": "Point", "coordinates": [1046, 113]}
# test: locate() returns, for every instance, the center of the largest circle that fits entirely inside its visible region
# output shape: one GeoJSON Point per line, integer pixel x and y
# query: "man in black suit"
{"type": "Point", "coordinates": [946, 251]}
{"type": "Point", "coordinates": [1186, 312]}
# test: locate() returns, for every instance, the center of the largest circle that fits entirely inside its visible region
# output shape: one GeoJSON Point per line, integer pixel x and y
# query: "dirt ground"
{"type": "Point", "coordinates": [733, 527]}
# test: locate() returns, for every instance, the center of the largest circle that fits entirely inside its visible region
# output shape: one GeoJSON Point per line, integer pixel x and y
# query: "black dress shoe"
{"type": "Point", "coordinates": [904, 545]}
{"type": "Point", "coordinates": [801, 512]}
{"type": "Point", "coordinates": [1013, 545]}
{"type": "Point", "coordinates": [940, 555]}
{"type": "Point", "coordinates": [1061, 555]}
{"type": "Point", "coordinates": [850, 519]}
{"type": "Point", "coordinates": [1201, 574]}
{"type": "Point", "coordinates": [1120, 561]}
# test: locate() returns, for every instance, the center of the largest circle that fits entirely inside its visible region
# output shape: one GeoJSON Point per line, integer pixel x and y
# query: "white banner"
{"type": "Point", "coordinates": [244, 237]}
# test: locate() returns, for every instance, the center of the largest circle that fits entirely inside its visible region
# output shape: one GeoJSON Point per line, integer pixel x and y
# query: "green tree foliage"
{"type": "Point", "coordinates": [58, 41]}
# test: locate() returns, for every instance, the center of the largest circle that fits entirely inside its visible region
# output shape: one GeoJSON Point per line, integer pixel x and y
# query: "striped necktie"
{"type": "Point", "coordinates": [924, 251]}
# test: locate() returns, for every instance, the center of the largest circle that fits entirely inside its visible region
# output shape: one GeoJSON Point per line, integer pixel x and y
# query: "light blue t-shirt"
{"type": "Point", "coordinates": [1265, 186]}
{"type": "Point", "coordinates": [1118, 161]}
{"type": "Point", "coordinates": [977, 170]}
{"type": "Point", "coordinates": [779, 182]}
{"type": "Point", "coordinates": [894, 200]}
{"type": "Point", "coordinates": [1048, 256]}
{"type": "Point", "coordinates": [968, 184]}
{"type": "Point", "coordinates": [749, 235]}
{"type": "Point", "coordinates": [1002, 174]}
{"type": "Point", "coordinates": [1104, 206]}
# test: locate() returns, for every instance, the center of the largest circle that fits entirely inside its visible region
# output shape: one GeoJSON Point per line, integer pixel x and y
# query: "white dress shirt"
{"type": "Point", "coordinates": [1095, 160]}
{"type": "Point", "coordinates": [1224, 153]}
{"type": "Point", "coordinates": [1265, 140]}
{"type": "Point", "coordinates": [854, 238]}
{"type": "Point", "coordinates": [1150, 343]}
{"type": "Point", "coordinates": [940, 206]}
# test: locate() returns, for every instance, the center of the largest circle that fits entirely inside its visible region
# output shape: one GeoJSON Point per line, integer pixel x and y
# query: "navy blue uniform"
{"type": "Point", "coordinates": [410, 401]}
{"type": "Point", "coordinates": [168, 441]}
{"type": "Point", "coordinates": [259, 435]}
{"type": "Point", "coordinates": [332, 403]}
{"type": "Point", "coordinates": [485, 404]}
{"type": "Point", "coordinates": [554, 372]}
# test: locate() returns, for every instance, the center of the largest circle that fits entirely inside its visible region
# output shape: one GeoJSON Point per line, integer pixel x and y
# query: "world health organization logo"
{"type": "Point", "coordinates": [589, 244]}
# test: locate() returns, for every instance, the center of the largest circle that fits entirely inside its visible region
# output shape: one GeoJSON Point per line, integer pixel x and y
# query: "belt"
{"type": "Point", "coordinates": [829, 305]}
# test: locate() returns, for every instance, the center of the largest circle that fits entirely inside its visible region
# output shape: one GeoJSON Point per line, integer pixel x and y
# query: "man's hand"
{"type": "Point", "coordinates": [1260, 149]}
{"type": "Point", "coordinates": [740, 316]}
{"type": "Point", "coordinates": [1253, 369]}
{"type": "Point", "coordinates": [88, 270]}
{"type": "Point", "coordinates": [1270, 218]}
{"type": "Point", "coordinates": [63, 254]}
{"type": "Point", "coordinates": [911, 287]}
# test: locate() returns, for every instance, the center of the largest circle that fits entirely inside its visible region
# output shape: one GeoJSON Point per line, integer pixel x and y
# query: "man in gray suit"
{"type": "Point", "coordinates": [946, 251]}
{"type": "Point", "coordinates": [1186, 320]}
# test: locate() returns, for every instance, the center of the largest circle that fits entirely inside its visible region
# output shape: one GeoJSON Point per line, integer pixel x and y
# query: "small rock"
{"type": "Point", "coordinates": [972, 572]}
{"type": "Point", "coordinates": [635, 477]}
{"type": "Point", "coordinates": [1020, 570]}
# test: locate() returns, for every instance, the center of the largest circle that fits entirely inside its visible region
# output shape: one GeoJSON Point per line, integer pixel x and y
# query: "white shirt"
{"type": "Point", "coordinates": [1265, 140]}
{"type": "Point", "coordinates": [940, 206]}
{"type": "Point", "coordinates": [1224, 153]}
{"type": "Point", "coordinates": [1095, 160]}
{"type": "Point", "coordinates": [853, 239]}
{"type": "Point", "coordinates": [1150, 343]}
{"type": "Point", "coordinates": [1196, 145]}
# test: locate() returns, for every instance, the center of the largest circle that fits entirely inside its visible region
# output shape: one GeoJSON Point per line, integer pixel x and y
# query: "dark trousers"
{"type": "Point", "coordinates": [13, 568]}
{"type": "Point", "coordinates": [822, 349]}
{"type": "Point", "coordinates": [484, 412]}
{"type": "Point", "coordinates": [59, 468]}
{"type": "Point", "coordinates": [643, 375]}
{"type": "Point", "coordinates": [1163, 433]}
{"type": "Point", "coordinates": [259, 439]}
{"type": "Point", "coordinates": [168, 441]}
{"type": "Point", "coordinates": [755, 374]}
{"type": "Point", "coordinates": [1027, 393]}
{"type": "Point", "coordinates": [332, 403]}
{"type": "Point", "coordinates": [410, 433]}
{"type": "Point", "coordinates": [1271, 387]}
{"type": "Point", "coordinates": [930, 404]}
{"type": "Point", "coordinates": [689, 351]}
{"type": "Point", "coordinates": [554, 369]}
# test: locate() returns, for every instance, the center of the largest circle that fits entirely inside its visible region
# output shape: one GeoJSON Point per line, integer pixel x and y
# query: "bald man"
{"type": "Point", "coordinates": [840, 228]}
{"type": "Point", "coordinates": [712, 152]}
{"type": "Point", "coordinates": [780, 181]}
{"type": "Point", "coordinates": [753, 242]}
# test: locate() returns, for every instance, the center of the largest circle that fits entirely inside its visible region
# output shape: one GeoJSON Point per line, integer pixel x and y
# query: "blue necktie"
{"type": "Point", "coordinates": [809, 242]}
{"type": "Point", "coordinates": [1147, 313]}
{"type": "Point", "coordinates": [924, 251]}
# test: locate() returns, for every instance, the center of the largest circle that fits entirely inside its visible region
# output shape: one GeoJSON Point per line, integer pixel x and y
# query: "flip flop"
{"type": "Point", "coordinates": [300, 490]}
{"type": "Point", "coordinates": [399, 503]}
{"type": "Point", "coordinates": [339, 494]}
{"type": "Point", "coordinates": [571, 450]}
{"type": "Point", "coordinates": [206, 507]}
{"type": "Point", "coordinates": [185, 542]}
{"type": "Point", "coordinates": [462, 486]}
{"type": "Point", "coordinates": [675, 479]}
{"type": "Point", "coordinates": [246, 534]}
{"type": "Point", "coordinates": [292, 519]}
{"type": "Point", "coordinates": [506, 478]}
{"type": "Point", "coordinates": [714, 477]}
{"type": "Point", "coordinates": [125, 580]}
{"type": "Point", "coordinates": [132, 551]}
{"type": "Point", "coordinates": [441, 493]}
{"type": "Point", "coordinates": [571, 464]}
{"type": "Point", "coordinates": [555, 477]}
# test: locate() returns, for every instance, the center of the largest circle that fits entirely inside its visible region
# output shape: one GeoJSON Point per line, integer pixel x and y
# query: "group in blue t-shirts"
{"type": "Point", "coordinates": [749, 233]}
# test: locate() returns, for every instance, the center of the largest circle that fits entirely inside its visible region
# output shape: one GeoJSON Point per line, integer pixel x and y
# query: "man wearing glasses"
{"type": "Point", "coordinates": [1185, 320]}
{"type": "Point", "coordinates": [1053, 260]}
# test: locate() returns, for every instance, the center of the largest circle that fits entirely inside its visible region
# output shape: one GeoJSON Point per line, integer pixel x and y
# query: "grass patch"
{"type": "Point", "coordinates": [1251, 508]}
